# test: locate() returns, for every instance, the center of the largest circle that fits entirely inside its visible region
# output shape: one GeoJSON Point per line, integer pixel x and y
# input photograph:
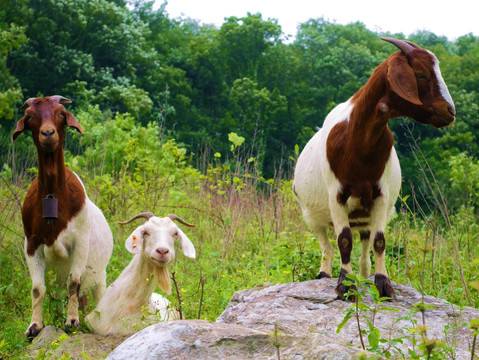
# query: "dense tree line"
{"type": "Point", "coordinates": [202, 82]}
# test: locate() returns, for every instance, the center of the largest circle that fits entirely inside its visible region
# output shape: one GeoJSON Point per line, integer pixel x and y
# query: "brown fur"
{"type": "Point", "coordinates": [345, 244]}
{"type": "Point", "coordinates": [53, 177]}
{"type": "Point", "coordinates": [358, 149]}
{"type": "Point", "coordinates": [379, 243]}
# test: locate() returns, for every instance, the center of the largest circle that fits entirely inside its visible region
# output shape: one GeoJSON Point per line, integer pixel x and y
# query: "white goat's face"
{"type": "Point", "coordinates": [155, 239]}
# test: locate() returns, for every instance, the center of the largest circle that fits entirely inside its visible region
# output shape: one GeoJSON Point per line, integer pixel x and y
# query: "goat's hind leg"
{"type": "Point", "coordinates": [99, 288]}
{"type": "Point", "coordinates": [327, 254]}
{"type": "Point", "coordinates": [365, 258]}
{"type": "Point", "coordinates": [80, 254]}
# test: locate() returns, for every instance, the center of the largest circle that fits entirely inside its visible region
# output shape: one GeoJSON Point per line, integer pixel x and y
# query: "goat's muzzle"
{"type": "Point", "coordinates": [161, 256]}
{"type": "Point", "coordinates": [48, 139]}
{"type": "Point", "coordinates": [444, 115]}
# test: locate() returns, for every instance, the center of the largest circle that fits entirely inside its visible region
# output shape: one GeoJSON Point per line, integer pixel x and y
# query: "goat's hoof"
{"type": "Point", "coordinates": [33, 330]}
{"type": "Point", "coordinates": [342, 290]}
{"type": "Point", "coordinates": [72, 326]}
{"type": "Point", "coordinates": [384, 286]}
{"type": "Point", "coordinates": [323, 275]}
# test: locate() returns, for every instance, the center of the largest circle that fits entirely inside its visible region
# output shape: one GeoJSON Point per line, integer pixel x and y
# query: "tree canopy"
{"type": "Point", "coordinates": [202, 83]}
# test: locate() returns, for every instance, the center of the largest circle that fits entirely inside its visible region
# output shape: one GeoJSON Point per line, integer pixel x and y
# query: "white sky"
{"type": "Point", "coordinates": [449, 18]}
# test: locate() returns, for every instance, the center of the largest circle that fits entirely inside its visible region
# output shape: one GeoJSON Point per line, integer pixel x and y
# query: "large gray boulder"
{"type": "Point", "coordinates": [199, 339]}
{"type": "Point", "coordinates": [305, 317]}
{"type": "Point", "coordinates": [312, 307]}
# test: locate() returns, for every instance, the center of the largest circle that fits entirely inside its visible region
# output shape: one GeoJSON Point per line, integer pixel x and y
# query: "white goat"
{"type": "Point", "coordinates": [348, 175]}
{"type": "Point", "coordinates": [126, 300]}
{"type": "Point", "coordinates": [64, 231]}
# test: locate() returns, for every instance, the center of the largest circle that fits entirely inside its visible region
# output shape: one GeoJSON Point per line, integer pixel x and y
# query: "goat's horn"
{"type": "Point", "coordinates": [60, 99]}
{"type": "Point", "coordinates": [145, 215]}
{"type": "Point", "coordinates": [180, 220]}
{"type": "Point", "coordinates": [403, 45]}
{"type": "Point", "coordinates": [412, 44]}
{"type": "Point", "coordinates": [27, 104]}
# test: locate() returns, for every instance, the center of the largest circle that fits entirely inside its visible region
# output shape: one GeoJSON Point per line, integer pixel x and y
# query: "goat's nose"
{"type": "Point", "coordinates": [162, 251]}
{"type": "Point", "coordinates": [48, 132]}
{"type": "Point", "coordinates": [451, 110]}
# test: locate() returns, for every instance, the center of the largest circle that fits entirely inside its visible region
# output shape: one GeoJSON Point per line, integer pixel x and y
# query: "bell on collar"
{"type": "Point", "coordinates": [50, 208]}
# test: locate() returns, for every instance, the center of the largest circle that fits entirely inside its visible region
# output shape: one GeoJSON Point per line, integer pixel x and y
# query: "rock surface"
{"type": "Point", "coordinates": [311, 307]}
{"type": "Point", "coordinates": [73, 346]}
{"type": "Point", "coordinates": [199, 339]}
{"type": "Point", "coordinates": [306, 316]}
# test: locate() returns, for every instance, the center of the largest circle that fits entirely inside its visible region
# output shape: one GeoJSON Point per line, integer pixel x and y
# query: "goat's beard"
{"type": "Point", "coordinates": [162, 275]}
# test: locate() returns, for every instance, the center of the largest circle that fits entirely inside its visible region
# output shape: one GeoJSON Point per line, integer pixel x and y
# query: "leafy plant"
{"type": "Point", "coordinates": [358, 288]}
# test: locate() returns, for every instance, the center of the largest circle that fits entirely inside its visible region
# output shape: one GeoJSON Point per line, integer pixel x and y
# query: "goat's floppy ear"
{"type": "Point", "coordinates": [187, 245]}
{"type": "Point", "coordinates": [19, 129]}
{"type": "Point", "coordinates": [72, 122]}
{"type": "Point", "coordinates": [135, 241]}
{"type": "Point", "coordinates": [402, 79]}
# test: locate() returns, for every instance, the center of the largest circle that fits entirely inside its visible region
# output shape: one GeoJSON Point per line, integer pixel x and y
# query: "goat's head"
{"type": "Point", "coordinates": [155, 239]}
{"type": "Point", "coordinates": [46, 118]}
{"type": "Point", "coordinates": [413, 74]}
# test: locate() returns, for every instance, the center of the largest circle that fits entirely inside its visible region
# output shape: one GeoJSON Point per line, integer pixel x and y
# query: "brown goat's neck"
{"type": "Point", "coordinates": [368, 121]}
{"type": "Point", "coordinates": [51, 170]}
{"type": "Point", "coordinates": [358, 148]}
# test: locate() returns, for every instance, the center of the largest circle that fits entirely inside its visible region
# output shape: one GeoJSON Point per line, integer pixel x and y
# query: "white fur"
{"type": "Point", "coordinates": [81, 253]}
{"type": "Point", "coordinates": [123, 308]}
{"type": "Point", "coordinates": [316, 188]}
{"type": "Point", "coordinates": [442, 84]}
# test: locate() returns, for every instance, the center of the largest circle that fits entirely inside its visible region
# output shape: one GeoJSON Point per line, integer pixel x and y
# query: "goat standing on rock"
{"type": "Point", "coordinates": [64, 231]}
{"type": "Point", "coordinates": [348, 175]}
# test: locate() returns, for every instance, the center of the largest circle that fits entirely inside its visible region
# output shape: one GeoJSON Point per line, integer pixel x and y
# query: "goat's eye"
{"type": "Point", "coordinates": [176, 234]}
{"type": "Point", "coordinates": [145, 233]}
{"type": "Point", "coordinates": [421, 76]}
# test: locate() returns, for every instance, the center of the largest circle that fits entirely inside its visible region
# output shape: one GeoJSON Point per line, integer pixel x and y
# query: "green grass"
{"type": "Point", "coordinates": [249, 231]}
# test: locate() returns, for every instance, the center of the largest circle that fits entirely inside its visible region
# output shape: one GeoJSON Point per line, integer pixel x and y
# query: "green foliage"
{"type": "Point", "coordinates": [244, 235]}
{"type": "Point", "coordinates": [157, 95]}
{"type": "Point", "coordinates": [425, 348]}
{"type": "Point", "coordinates": [203, 82]}
{"type": "Point", "coordinates": [48, 352]}
{"type": "Point", "coordinates": [464, 179]}
{"type": "Point", "coordinates": [359, 287]}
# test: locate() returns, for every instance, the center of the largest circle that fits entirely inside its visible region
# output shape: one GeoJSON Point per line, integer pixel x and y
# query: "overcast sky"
{"type": "Point", "coordinates": [449, 18]}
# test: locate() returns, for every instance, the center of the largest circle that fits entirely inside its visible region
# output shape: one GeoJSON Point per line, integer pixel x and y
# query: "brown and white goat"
{"type": "Point", "coordinates": [348, 175]}
{"type": "Point", "coordinates": [76, 243]}
{"type": "Point", "coordinates": [153, 245]}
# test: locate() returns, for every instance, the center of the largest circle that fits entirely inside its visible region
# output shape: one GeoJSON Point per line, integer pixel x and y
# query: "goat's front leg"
{"type": "Point", "coordinates": [339, 215]}
{"type": "Point", "coordinates": [36, 267]}
{"type": "Point", "coordinates": [79, 259]}
{"type": "Point", "coordinates": [379, 214]}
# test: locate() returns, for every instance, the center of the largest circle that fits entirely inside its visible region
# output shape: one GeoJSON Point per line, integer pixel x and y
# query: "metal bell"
{"type": "Point", "coordinates": [50, 208]}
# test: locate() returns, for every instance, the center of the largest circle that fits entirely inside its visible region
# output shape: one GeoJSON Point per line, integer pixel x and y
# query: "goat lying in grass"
{"type": "Point", "coordinates": [126, 300]}
{"type": "Point", "coordinates": [64, 231]}
{"type": "Point", "coordinates": [348, 174]}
